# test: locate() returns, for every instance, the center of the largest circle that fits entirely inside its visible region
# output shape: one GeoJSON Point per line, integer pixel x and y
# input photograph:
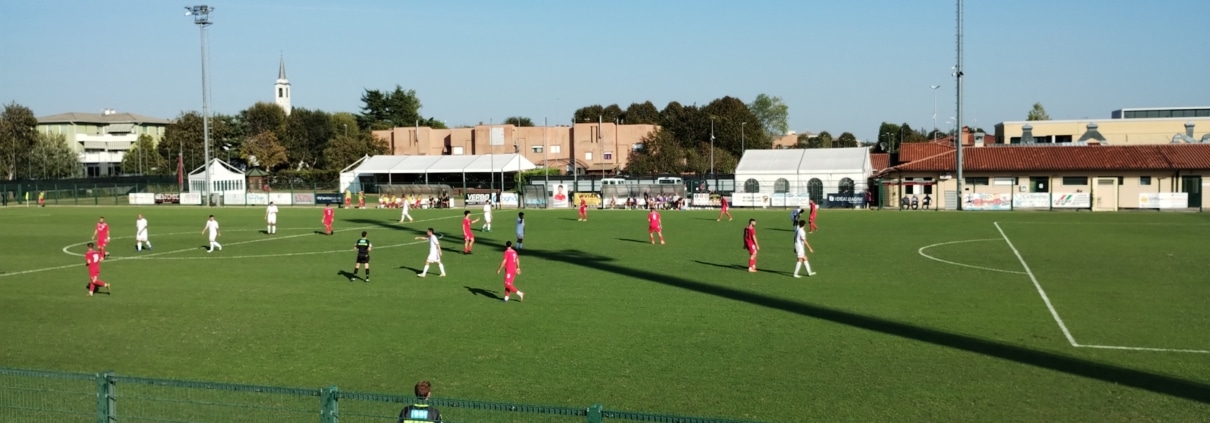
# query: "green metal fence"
{"type": "Point", "coordinates": [49, 396]}
{"type": "Point", "coordinates": [101, 193]}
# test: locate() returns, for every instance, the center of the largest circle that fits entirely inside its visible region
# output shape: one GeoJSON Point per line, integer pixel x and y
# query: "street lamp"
{"type": "Point", "coordinates": [201, 17]}
{"type": "Point", "coordinates": [711, 145]}
{"type": "Point", "coordinates": [934, 87]}
{"type": "Point", "coordinates": [741, 138]}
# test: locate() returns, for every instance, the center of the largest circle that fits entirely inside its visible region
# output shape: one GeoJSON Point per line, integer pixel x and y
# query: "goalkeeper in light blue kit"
{"type": "Point", "coordinates": [520, 229]}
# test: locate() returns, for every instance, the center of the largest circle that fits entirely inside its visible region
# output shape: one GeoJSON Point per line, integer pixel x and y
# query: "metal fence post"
{"type": "Point", "coordinates": [595, 415]}
{"type": "Point", "coordinates": [329, 406]}
{"type": "Point", "coordinates": [106, 402]}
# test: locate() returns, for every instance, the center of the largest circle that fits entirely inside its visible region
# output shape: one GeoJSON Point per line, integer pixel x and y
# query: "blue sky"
{"type": "Point", "coordinates": [839, 65]}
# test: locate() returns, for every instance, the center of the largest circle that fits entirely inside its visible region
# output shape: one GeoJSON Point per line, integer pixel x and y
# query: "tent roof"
{"type": "Point", "coordinates": [218, 169]}
{"type": "Point", "coordinates": [444, 164]}
{"type": "Point", "coordinates": [809, 160]}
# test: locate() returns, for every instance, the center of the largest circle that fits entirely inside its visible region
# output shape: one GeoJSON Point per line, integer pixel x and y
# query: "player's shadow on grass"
{"type": "Point", "coordinates": [633, 240]}
{"type": "Point", "coordinates": [409, 268]}
{"type": "Point", "coordinates": [738, 266]}
{"type": "Point", "coordinates": [567, 218]}
{"type": "Point", "coordinates": [484, 292]}
{"type": "Point", "coordinates": [345, 274]}
{"type": "Point", "coordinates": [1059, 362]}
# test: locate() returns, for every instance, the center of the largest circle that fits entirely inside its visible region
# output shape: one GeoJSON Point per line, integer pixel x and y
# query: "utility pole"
{"type": "Point", "coordinates": [201, 17]}
{"type": "Point", "coordinates": [934, 87]}
{"type": "Point", "coordinates": [960, 135]}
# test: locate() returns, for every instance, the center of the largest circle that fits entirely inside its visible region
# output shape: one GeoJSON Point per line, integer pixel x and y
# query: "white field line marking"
{"type": "Point", "coordinates": [1112, 347]}
{"type": "Point", "coordinates": [921, 251]}
{"type": "Point", "coordinates": [46, 269]}
{"type": "Point", "coordinates": [111, 239]}
{"type": "Point", "coordinates": [1037, 285]}
{"type": "Point", "coordinates": [1062, 326]}
{"type": "Point", "coordinates": [310, 253]}
{"type": "Point", "coordinates": [1116, 223]}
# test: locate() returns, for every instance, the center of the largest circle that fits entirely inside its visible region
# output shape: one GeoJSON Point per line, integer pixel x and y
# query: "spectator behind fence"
{"type": "Point", "coordinates": [421, 411]}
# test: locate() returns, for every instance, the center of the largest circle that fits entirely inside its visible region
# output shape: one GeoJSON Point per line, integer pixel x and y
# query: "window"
{"type": "Point", "coordinates": [556, 149]}
{"type": "Point", "coordinates": [1062, 138]}
{"type": "Point", "coordinates": [781, 186]}
{"type": "Point", "coordinates": [751, 186]}
{"type": "Point", "coordinates": [588, 156]}
{"type": "Point", "coordinates": [1004, 181]}
{"type": "Point", "coordinates": [457, 151]}
{"type": "Point", "coordinates": [1014, 140]}
{"type": "Point", "coordinates": [928, 189]}
{"type": "Point", "coordinates": [608, 155]}
{"type": "Point", "coordinates": [280, 92]}
{"type": "Point", "coordinates": [537, 148]}
{"type": "Point", "coordinates": [638, 146]}
{"type": "Point", "coordinates": [846, 185]}
{"type": "Point", "coordinates": [1144, 180]}
{"type": "Point", "coordinates": [1075, 180]}
{"type": "Point", "coordinates": [977, 180]}
{"type": "Point", "coordinates": [815, 190]}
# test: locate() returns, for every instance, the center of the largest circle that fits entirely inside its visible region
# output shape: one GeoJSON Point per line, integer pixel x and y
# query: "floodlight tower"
{"type": "Point", "coordinates": [201, 17]}
{"type": "Point", "coordinates": [959, 136]}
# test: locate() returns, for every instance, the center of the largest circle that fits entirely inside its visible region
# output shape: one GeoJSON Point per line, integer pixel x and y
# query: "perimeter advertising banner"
{"type": "Point", "coordinates": [302, 198]}
{"type": "Point", "coordinates": [851, 199]}
{"type": "Point", "coordinates": [987, 201]}
{"type": "Point", "coordinates": [170, 198]}
{"type": "Point", "coordinates": [142, 198]}
{"type": "Point", "coordinates": [281, 198]}
{"type": "Point", "coordinates": [509, 199]}
{"type": "Point", "coordinates": [1077, 200]}
{"type": "Point", "coordinates": [702, 199]}
{"type": "Point", "coordinates": [258, 199]}
{"type": "Point", "coordinates": [590, 198]}
{"type": "Point", "coordinates": [329, 198]}
{"type": "Point", "coordinates": [234, 199]}
{"type": "Point", "coordinates": [191, 198]}
{"type": "Point", "coordinates": [1031, 200]}
{"type": "Point", "coordinates": [1163, 200]}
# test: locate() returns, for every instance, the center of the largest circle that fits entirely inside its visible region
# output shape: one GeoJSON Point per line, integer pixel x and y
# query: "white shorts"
{"type": "Point", "coordinates": [142, 237]}
{"type": "Point", "coordinates": [213, 238]}
{"type": "Point", "coordinates": [487, 218]}
{"type": "Point", "coordinates": [406, 214]}
{"type": "Point", "coordinates": [800, 251]}
{"type": "Point", "coordinates": [434, 257]}
{"type": "Point", "coordinates": [272, 220]}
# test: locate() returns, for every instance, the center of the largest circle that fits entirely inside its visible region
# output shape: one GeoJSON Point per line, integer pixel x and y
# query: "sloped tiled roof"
{"type": "Point", "coordinates": [880, 161]}
{"type": "Point", "coordinates": [912, 151]}
{"type": "Point", "coordinates": [1065, 158]}
{"type": "Point", "coordinates": [101, 118]}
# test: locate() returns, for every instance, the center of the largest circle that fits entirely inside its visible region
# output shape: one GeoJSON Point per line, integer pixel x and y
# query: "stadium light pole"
{"type": "Point", "coordinates": [934, 87]}
{"type": "Point", "coordinates": [201, 17]}
{"type": "Point", "coordinates": [545, 156]}
{"type": "Point", "coordinates": [959, 135]}
{"type": "Point", "coordinates": [712, 146]}
{"type": "Point", "coordinates": [741, 138]}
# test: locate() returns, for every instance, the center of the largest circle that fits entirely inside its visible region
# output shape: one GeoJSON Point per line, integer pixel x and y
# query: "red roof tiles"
{"type": "Point", "coordinates": [912, 151]}
{"type": "Point", "coordinates": [1065, 158]}
{"type": "Point", "coordinates": [879, 161]}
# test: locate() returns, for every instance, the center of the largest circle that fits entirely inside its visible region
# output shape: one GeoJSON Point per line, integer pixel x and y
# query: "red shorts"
{"type": "Point", "coordinates": [327, 223]}
{"type": "Point", "coordinates": [102, 241]}
{"type": "Point", "coordinates": [651, 229]}
{"type": "Point", "coordinates": [582, 210]}
{"type": "Point", "coordinates": [92, 276]}
{"type": "Point", "coordinates": [467, 236]}
{"type": "Point", "coordinates": [751, 249]}
{"type": "Point", "coordinates": [508, 279]}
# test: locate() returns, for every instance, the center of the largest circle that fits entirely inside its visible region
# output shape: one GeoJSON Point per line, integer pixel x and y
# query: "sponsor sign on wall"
{"type": "Point", "coordinates": [987, 201]}
{"type": "Point", "coordinates": [478, 198]}
{"type": "Point", "coordinates": [329, 198]}
{"type": "Point", "coordinates": [749, 199]}
{"type": "Point", "coordinates": [191, 198]}
{"type": "Point", "coordinates": [168, 198]}
{"type": "Point", "coordinates": [257, 199]}
{"type": "Point", "coordinates": [702, 199]}
{"type": "Point", "coordinates": [1077, 200]}
{"type": "Point", "coordinates": [590, 198]}
{"type": "Point", "coordinates": [509, 199]}
{"type": "Point", "coordinates": [303, 198]}
{"type": "Point", "coordinates": [838, 200]}
{"type": "Point", "coordinates": [1163, 200]}
{"type": "Point", "coordinates": [142, 198]}
{"type": "Point", "coordinates": [234, 199]}
{"type": "Point", "coordinates": [282, 198]}
{"type": "Point", "coordinates": [1031, 200]}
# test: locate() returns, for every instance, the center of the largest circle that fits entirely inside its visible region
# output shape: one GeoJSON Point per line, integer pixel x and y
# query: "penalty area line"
{"type": "Point", "coordinates": [1046, 299]}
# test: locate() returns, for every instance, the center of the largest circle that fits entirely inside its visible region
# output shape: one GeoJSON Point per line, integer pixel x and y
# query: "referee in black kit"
{"type": "Point", "coordinates": [363, 248]}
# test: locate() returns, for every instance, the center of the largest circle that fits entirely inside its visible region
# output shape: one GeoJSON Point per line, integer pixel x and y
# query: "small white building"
{"type": "Point", "coordinates": [224, 179]}
{"type": "Point", "coordinates": [833, 177]}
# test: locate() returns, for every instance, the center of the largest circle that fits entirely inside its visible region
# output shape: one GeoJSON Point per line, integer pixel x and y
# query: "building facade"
{"type": "Point", "coordinates": [281, 88]}
{"type": "Point", "coordinates": [593, 148]}
{"type": "Point", "coordinates": [1125, 127]}
{"type": "Point", "coordinates": [103, 139]}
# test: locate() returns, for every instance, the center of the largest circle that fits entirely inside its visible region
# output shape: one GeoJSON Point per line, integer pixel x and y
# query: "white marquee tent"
{"type": "Point", "coordinates": [390, 166]}
{"type": "Point", "coordinates": [792, 177]}
{"type": "Point", "coordinates": [224, 178]}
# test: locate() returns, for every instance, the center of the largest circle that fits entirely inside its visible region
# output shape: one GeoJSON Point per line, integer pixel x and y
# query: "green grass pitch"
{"type": "Point", "coordinates": [882, 333]}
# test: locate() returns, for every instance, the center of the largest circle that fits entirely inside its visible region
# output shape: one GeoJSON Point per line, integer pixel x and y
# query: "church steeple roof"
{"type": "Point", "coordinates": [281, 71]}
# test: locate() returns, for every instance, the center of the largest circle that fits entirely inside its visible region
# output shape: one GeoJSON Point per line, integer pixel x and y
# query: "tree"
{"type": "Point", "coordinates": [263, 117]}
{"type": "Point", "coordinates": [698, 160]}
{"type": "Point", "coordinates": [342, 151]}
{"type": "Point", "coordinates": [307, 133]}
{"type": "Point", "coordinates": [263, 150]}
{"type": "Point", "coordinates": [641, 113]}
{"type": "Point", "coordinates": [18, 134]}
{"type": "Point", "coordinates": [394, 109]}
{"type": "Point", "coordinates": [345, 123]}
{"type": "Point", "coordinates": [184, 136]}
{"type": "Point", "coordinates": [595, 112]}
{"type": "Point", "coordinates": [52, 158]}
{"type": "Point", "coordinates": [846, 139]}
{"type": "Point", "coordinates": [888, 137]}
{"type": "Point", "coordinates": [519, 121]}
{"type": "Point", "coordinates": [910, 135]}
{"type": "Point", "coordinates": [660, 153]}
{"type": "Point", "coordinates": [772, 114]}
{"type": "Point", "coordinates": [1037, 113]}
{"type": "Point", "coordinates": [143, 158]}
{"type": "Point", "coordinates": [731, 116]}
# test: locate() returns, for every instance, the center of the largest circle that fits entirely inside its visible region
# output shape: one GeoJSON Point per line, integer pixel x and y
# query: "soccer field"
{"type": "Point", "coordinates": [913, 316]}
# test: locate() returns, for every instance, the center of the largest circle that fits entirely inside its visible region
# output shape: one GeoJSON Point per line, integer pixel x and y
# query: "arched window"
{"type": "Point", "coordinates": [751, 186]}
{"type": "Point", "coordinates": [815, 190]}
{"type": "Point", "coordinates": [781, 186]}
{"type": "Point", "coordinates": [846, 185]}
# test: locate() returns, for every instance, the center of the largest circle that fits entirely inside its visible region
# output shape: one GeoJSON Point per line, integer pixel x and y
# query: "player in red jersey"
{"type": "Point", "coordinates": [329, 215]}
{"type": "Point", "coordinates": [93, 259]}
{"type": "Point", "coordinates": [654, 226]}
{"type": "Point", "coordinates": [811, 219]}
{"type": "Point", "coordinates": [511, 265]}
{"type": "Point", "coordinates": [583, 210]}
{"type": "Point", "coordinates": [726, 211]}
{"type": "Point", "coordinates": [101, 235]}
{"type": "Point", "coordinates": [751, 244]}
{"type": "Point", "coordinates": [467, 236]}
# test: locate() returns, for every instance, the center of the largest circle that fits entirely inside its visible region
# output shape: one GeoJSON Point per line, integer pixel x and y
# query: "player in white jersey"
{"type": "Point", "coordinates": [140, 233]}
{"type": "Point", "coordinates": [271, 218]}
{"type": "Point", "coordinates": [487, 217]}
{"type": "Point", "coordinates": [434, 253]}
{"type": "Point", "coordinates": [801, 246]}
{"type": "Point", "coordinates": [212, 227]}
{"type": "Point", "coordinates": [405, 205]}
